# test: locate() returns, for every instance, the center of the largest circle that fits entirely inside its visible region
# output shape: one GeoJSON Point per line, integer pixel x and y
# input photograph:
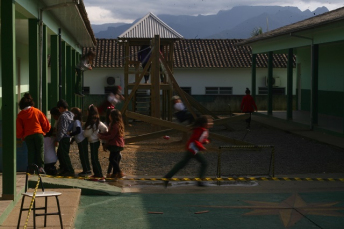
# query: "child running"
{"type": "Point", "coordinates": [194, 145]}
{"type": "Point", "coordinates": [115, 138]}
{"type": "Point", "coordinates": [80, 139]}
{"type": "Point", "coordinates": [93, 126]}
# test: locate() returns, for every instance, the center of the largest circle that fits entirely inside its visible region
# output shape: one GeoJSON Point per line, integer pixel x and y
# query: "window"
{"type": "Point", "coordinates": [275, 90]}
{"type": "Point", "coordinates": [86, 90]}
{"type": "Point", "coordinates": [219, 90]}
{"type": "Point", "coordinates": [186, 89]}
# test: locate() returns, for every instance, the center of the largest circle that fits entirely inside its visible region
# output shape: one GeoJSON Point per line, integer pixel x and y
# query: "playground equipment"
{"type": "Point", "coordinates": [160, 93]}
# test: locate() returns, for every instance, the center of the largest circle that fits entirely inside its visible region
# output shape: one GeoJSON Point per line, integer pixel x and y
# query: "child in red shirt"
{"type": "Point", "coordinates": [248, 106]}
{"type": "Point", "coordinates": [194, 145]}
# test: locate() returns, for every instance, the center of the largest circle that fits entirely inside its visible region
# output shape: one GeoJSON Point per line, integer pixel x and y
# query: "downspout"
{"type": "Point", "coordinates": [74, 2]}
{"type": "Point", "coordinates": [312, 76]}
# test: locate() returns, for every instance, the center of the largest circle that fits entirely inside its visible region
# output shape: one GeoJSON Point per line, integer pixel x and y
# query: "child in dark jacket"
{"type": "Point", "coordinates": [194, 145]}
{"type": "Point", "coordinates": [115, 141]}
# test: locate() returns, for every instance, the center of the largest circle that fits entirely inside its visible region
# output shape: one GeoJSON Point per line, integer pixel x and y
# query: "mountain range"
{"type": "Point", "coordinates": [236, 23]}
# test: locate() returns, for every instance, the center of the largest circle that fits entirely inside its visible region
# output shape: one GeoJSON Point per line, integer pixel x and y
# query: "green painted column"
{"type": "Point", "coordinates": [34, 60]}
{"type": "Point", "coordinates": [69, 74]}
{"type": "Point", "coordinates": [79, 100]}
{"type": "Point", "coordinates": [315, 77]}
{"type": "Point", "coordinates": [73, 98]}
{"type": "Point", "coordinates": [254, 74]}
{"type": "Point", "coordinates": [54, 73]}
{"type": "Point", "coordinates": [290, 84]}
{"type": "Point", "coordinates": [8, 109]}
{"type": "Point", "coordinates": [63, 72]}
{"type": "Point", "coordinates": [45, 90]}
{"type": "Point", "coordinates": [270, 76]}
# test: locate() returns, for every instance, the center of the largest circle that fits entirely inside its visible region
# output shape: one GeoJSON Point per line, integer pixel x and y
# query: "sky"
{"type": "Point", "coordinates": [114, 11]}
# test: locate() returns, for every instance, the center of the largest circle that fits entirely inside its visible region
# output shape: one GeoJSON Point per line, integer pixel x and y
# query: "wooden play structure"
{"type": "Point", "coordinates": [159, 105]}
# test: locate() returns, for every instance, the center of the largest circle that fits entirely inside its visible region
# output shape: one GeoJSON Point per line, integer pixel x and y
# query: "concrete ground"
{"type": "Point", "coordinates": [233, 204]}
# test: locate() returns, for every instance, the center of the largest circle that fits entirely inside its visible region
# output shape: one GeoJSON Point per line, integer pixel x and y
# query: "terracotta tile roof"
{"type": "Point", "coordinates": [190, 53]}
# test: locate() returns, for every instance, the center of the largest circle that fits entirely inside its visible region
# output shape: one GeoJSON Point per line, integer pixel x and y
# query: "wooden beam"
{"type": "Point", "coordinates": [144, 137]}
{"type": "Point", "coordinates": [155, 81]}
{"type": "Point", "coordinates": [157, 121]}
{"type": "Point", "coordinates": [176, 87]}
{"type": "Point", "coordinates": [180, 127]}
{"type": "Point", "coordinates": [198, 106]}
{"type": "Point", "coordinates": [136, 86]}
{"type": "Point", "coordinates": [231, 119]}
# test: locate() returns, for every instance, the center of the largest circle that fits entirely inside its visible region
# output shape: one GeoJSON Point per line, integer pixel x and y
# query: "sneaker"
{"type": "Point", "coordinates": [120, 175]}
{"type": "Point", "coordinates": [93, 178]}
{"type": "Point", "coordinates": [84, 174]}
{"type": "Point", "coordinates": [109, 175]}
{"type": "Point", "coordinates": [102, 179]}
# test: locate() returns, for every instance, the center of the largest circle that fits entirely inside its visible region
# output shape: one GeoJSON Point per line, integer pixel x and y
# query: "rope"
{"type": "Point", "coordinates": [32, 201]}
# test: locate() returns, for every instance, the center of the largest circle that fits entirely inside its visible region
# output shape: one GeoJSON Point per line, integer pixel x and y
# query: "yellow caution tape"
{"type": "Point", "coordinates": [212, 179]}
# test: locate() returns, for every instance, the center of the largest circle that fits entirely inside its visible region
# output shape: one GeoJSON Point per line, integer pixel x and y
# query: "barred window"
{"type": "Point", "coordinates": [219, 90]}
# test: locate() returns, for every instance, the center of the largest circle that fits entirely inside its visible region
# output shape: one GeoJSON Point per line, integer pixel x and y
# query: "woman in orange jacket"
{"type": "Point", "coordinates": [32, 124]}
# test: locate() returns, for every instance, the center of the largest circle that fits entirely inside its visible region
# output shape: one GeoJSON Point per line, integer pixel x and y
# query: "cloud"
{"type": "Point", "coordinates": [98, 15]}
{"type": "Point", "coordinates": [109, 11]}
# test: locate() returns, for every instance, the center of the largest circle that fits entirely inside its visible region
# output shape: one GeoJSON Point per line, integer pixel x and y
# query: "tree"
{"type": "Point", "coordinates": [256, 31]}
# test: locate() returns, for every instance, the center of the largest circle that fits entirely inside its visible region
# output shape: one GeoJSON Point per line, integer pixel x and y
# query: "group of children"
{"type": "Point", "coordinates": [32, 125]}
{"type": "Point", "coordinates": [34, 128]}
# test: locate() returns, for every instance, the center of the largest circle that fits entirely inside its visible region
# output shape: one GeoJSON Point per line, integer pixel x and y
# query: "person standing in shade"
{"type": "Point", "coordinates": [194, 146]}
{"type": "Point", "coordinates": [63, 123]}
{"type": "Point", "coordinates": [84, 64]}
{"type": "Point", "coordinates": [78, 133]}
{"type": "Point", "coordinates": [115, 142]}
{"type": "Point", "coordinates": [143, 56]}
{"type": "Point", "coordinates": [248, 106]}
{"type": "Point", "coordinates": [31, 125]}
{"type": "Point", "coordinates": [93, 127]}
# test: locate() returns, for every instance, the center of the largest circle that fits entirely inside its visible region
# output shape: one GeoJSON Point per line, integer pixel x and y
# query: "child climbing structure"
{"type": "Point", "coordinates": [153, 34]}
{"type": "Point", "coordinates": [163, 90]}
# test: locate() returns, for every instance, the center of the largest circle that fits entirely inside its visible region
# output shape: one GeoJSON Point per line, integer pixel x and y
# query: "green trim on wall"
{"type": "Point", "coordinates": [8, 109]}
{"type": "Point", "coordinates": [45, 88]}
{"type": "Point", "coordinates": [54, 83]}
{"type": "Point", "coordinates": [33, 60]}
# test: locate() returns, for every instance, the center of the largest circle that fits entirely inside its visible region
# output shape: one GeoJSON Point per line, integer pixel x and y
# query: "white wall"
{"type": "Point", "coordinates": [197, 79]}
{"type": "Point", "coordinates": [96, 79]}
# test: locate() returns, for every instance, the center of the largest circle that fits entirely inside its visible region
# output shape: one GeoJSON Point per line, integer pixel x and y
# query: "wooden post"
{"type": "Point", "coordinates": [155, 79]}
{"type": "Point", "coordinates": [126, 75]}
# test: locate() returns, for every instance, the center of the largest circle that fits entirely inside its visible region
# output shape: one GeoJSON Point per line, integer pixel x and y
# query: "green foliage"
{"type": "Point", "coordinates": [256, 31]}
